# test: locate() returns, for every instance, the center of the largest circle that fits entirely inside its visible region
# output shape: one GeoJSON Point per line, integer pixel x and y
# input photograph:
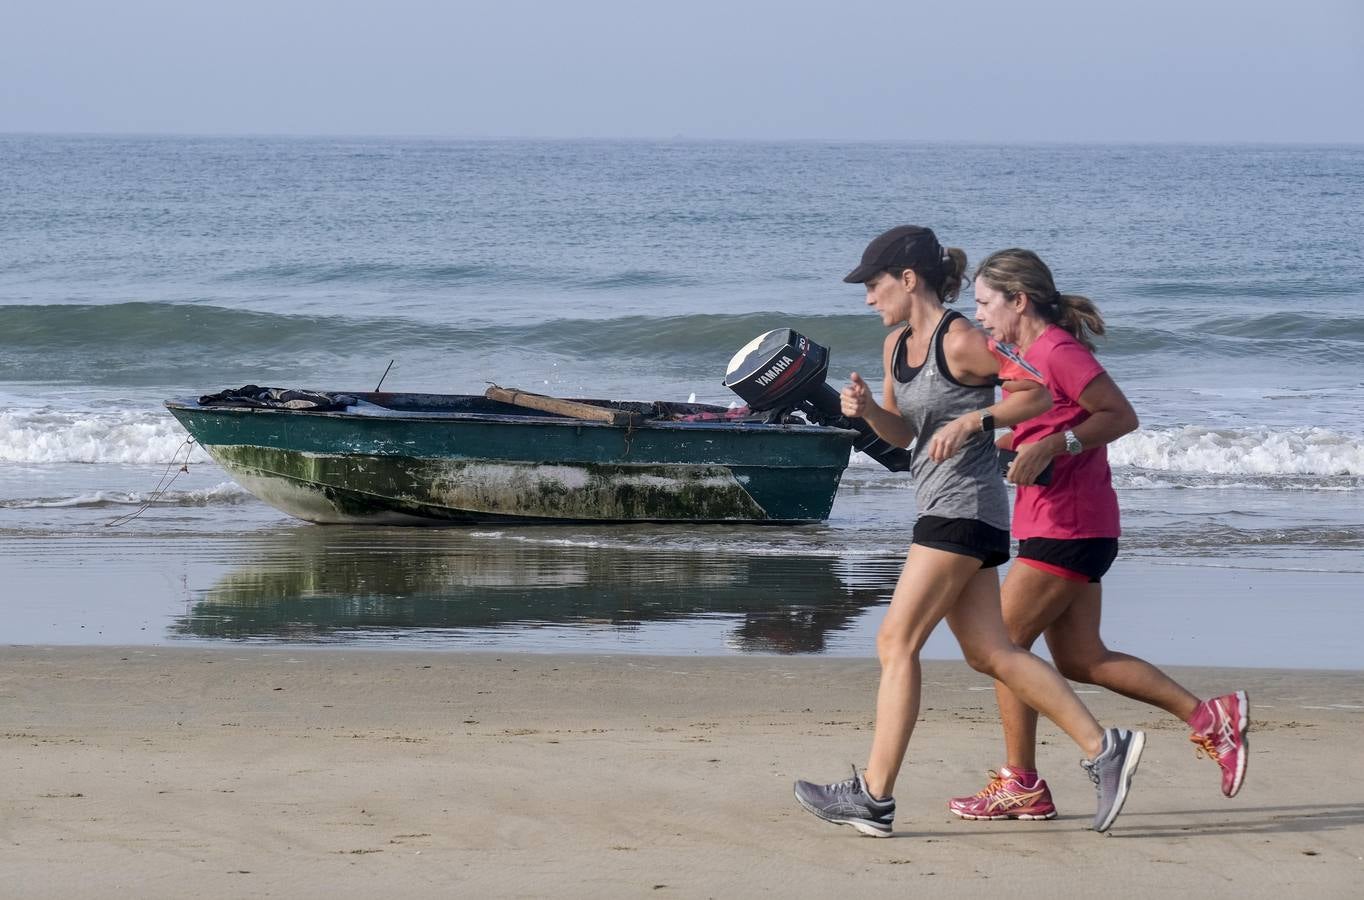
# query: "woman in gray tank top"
{"type": "Point", "coordinates": [939, 393]}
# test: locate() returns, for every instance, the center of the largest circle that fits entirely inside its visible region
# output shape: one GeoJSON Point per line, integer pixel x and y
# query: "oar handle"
{"type": "Point", "coordinates": [570, 408]}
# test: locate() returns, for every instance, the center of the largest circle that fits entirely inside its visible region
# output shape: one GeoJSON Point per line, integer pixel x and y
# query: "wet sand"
{"type": "Point", "coordinates": [232, 772]}
{"type": "Point", "coordinates": [538, 591]}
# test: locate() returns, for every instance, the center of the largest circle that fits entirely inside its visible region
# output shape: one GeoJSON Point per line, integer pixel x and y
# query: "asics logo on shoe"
{"type": "Point", "coordinates": [1004, 797]}
{"type": "Point", "coordinates": [1224, 739]}
{"type": "Point", "coordinates": [1226, 732]}
{"type": "Point", "coordinates": [1219, 733]}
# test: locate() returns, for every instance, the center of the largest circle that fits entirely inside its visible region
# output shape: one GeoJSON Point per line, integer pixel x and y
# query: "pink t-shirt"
{"type": "Point", "coordinates": [1079, 502]}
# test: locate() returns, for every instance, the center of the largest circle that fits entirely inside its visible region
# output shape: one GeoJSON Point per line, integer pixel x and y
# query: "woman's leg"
{"type": "Point", "coordinates": [979, 626]}
{"type": "Point", "coordinates": [930, 583]}
{"type": "Point", "coordinates": [1112, 756]}
{"type": "Point", "coordinates": [1219, 725]}
{"type": "Point", "coordinates": [1081, 655]}
{"type": "Point", "coordinates": [1068, 612]}
{"type": "Point", "coordinates": [1032, 601]}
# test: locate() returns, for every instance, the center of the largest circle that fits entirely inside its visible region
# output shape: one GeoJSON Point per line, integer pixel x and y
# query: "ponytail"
{"type": "Point", "coordinates": [1079, 316]}
{"type": "Point", "coordinates": [944, 276]}
{"type": "Point", "coordinates": [953, 273]}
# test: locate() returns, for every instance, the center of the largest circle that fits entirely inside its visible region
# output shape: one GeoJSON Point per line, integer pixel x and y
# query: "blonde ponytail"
{"type": "Point", "coordinates": [1079, 316]}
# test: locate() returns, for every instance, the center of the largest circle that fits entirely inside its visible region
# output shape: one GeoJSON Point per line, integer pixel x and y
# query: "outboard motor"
{"type": "Point", "coordinates": [782, 371]}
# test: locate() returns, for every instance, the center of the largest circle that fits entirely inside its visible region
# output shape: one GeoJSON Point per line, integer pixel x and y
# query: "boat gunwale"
{"type": "Point", "coordinates": [192, 405]}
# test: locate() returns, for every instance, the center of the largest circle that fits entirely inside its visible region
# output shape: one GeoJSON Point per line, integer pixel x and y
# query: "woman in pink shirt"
{"type": "Point", "coordinates": [1068, 531]}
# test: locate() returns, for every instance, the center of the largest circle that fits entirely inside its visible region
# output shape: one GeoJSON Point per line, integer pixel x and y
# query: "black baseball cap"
{"type": "Point", "coordinates": [904, 247]}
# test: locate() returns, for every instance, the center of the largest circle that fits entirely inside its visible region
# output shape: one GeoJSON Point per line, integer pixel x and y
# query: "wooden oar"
{"type": "Point", "coordinates": [570, 408]}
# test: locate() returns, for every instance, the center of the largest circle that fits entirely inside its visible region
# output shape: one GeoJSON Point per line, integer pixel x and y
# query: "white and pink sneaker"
{"type": "Point", "coordinates": [1219, 729]}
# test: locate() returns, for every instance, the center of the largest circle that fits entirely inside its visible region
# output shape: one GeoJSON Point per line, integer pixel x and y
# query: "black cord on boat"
{"type": "Point", "coordinates": [161, 486]}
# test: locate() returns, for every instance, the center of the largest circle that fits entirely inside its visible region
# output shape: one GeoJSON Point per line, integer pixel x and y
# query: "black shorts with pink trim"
{"type": "Point", "coordinates": [1079, 559]}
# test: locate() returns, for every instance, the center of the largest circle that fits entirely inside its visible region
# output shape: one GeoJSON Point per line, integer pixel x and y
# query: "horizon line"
{"type": "Point", "coordinates": [681, 139]}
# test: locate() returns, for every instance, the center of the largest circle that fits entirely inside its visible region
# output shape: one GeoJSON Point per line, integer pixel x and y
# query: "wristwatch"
{"type": "Point", "coordinates": [1073, 445]}
{"type": "Point", "coordinates": [987, 421]}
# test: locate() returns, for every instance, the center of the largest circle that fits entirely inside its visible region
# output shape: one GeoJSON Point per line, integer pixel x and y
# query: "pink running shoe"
{"type": "Point", "coordinates": [1007, 796]}
{"type": "Point", "coordinates": [1219, 729]}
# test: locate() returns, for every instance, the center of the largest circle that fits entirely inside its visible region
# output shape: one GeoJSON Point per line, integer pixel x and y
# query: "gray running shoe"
{"type": "Point", "coordinates": [1112, 770]}
{"type": "Point", "coordinates": [848, 803]}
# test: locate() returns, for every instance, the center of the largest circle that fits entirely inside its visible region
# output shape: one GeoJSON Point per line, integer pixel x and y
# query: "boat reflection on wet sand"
{"type": "Point", "coordinates": [453, 589]}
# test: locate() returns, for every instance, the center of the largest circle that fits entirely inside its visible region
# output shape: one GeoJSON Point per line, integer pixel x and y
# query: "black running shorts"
{"type": "Point", "coordinates": [1090, 558]}
{"type": "Point", "coordinates": [967, 537]}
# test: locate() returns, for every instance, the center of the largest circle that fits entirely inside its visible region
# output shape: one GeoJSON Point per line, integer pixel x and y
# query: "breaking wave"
{"type": "Point", "coordinates": [1256, 451]}
{"type": "Point", "coordinates": [227, 492]}
{"type": "Point", "coordinates": [1254, 456]}
{"type": "Point", "coordinates": [142, 437]}
{"type": "Point", "coordinates": [1198, 457]}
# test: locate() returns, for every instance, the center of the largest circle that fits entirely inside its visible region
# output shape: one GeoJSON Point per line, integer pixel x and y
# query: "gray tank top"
{"type": "Point", "coordinates": [969, 485]}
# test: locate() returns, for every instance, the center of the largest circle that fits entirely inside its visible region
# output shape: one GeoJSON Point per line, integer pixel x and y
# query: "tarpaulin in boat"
{"type": "Point", "coordinates": [277, 398]}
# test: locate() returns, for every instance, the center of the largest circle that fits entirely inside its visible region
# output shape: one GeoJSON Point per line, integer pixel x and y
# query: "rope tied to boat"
{"type": "Point", "coordinates": [161, 486]}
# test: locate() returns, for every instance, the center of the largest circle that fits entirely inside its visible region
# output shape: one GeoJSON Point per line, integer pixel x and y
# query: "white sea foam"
{"type": "Point", "coordinates": [226, 492]}
{"type": "Point", "coordinates": [148, 437]}
{"type": "Point", "coordinates": [135, 437]}
{"type": "Point", "coordinates": [1258, 451]}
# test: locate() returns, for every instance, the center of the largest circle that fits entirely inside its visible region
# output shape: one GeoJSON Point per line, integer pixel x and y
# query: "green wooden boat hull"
{"type": "Point", "coordinates": [449, 459]}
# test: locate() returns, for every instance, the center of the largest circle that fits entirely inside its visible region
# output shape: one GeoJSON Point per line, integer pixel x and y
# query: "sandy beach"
{"type": "Point", "coordinates": [245, 772]}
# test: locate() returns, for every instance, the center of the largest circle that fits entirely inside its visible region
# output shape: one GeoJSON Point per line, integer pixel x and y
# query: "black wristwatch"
{"type": "Point", "coordinates": [987, 421]}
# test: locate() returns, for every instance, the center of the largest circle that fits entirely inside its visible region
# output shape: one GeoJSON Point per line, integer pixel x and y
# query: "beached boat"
{"type": "Point", "coordinates": [415, 459]}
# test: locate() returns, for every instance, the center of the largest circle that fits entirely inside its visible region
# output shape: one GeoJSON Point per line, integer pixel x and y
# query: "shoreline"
{"type": "Point", "coordinates": [625, 656]}
{"type": "Point", "coordinates": [248, 771]}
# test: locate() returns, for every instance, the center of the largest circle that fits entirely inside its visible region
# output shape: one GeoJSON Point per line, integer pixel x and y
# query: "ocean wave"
{"type": "Point", "coordinates": [1285, 325]}
{"type": "Point", "coordinates": [1289, 286]}
{"type": "Point", "coordinates": [1188, 456]}
{"type": "Point", "coordinates": [1137, 480]}
{"type": "Point", "coordinates": [632, 279]}
{"type": "Point", "coordinates": [1201, 458]}
{"type": "Point", "coordinates": [1255, 451]}
{"type": "Point", "coordinates": [150, 342]}
{"type": "Point", "coordinates": [227, 492]}
{"type": "Point", "coordinates": [130, 437]}
{"type": "Point", "coordinates": [1223, 537]}
{"type": "Point", "coordinates": [437, 276]}
{"type": "Point", "coordinates": [278, 274]}
{"type": "Point", "coordinates": [1238, 338]}
{"type": "Point", "coordinates": [119, 331]}
{"type": "Point", "coordinates": [134, 341]}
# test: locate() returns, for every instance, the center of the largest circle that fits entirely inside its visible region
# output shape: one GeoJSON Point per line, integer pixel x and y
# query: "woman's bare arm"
{"type": "Point", "coordinates": [884, 417]}
{"type": "Point", "coordinates": [969, 359]}
{"type": "Point", "coordinates": [1110, 417]}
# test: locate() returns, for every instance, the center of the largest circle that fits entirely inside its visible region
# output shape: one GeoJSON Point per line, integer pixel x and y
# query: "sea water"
{"type": "Point", "coordinates": [137, 269]}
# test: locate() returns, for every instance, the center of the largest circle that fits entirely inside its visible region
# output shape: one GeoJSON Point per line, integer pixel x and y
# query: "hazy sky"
{"type": "Point", "coordinates": [980, 70]}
